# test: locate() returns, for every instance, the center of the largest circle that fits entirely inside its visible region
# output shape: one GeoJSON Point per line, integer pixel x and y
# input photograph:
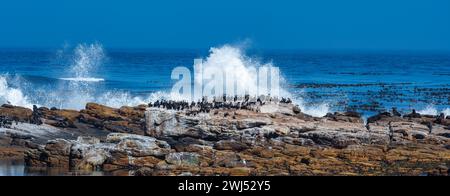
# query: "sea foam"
{"type": "Point", "coordinates": [11, 95]}
{"type": "Point", "coordinates": [429, 110]}
{"type": "Point", "coordinates": [232, 59]}
{"type": "Point", "coordinates": [446, 112]}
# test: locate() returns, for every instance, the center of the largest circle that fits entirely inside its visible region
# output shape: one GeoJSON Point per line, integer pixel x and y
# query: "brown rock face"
{"type": "Point", "coordinates": [19, 114]}
{"type": "Point", "coordinates": [275, 139]}
{"type": "Point", "coordinates": [55, 153]}
{"type": "Point", "coordinates": [345, 117]}
{"type": "Point", "coordinates": [123, 120]}
{"type": "Point", "coordinates": [102, 112]}
{"type": "Point", "coordinates": [60, 118]}
{"type": "Point", "coordinates": [119, 151]}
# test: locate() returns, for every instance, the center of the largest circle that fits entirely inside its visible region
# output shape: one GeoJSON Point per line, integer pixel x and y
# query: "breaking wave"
{"type": "Point", "coordinates": [446, 112]}
{"type": "Point", "coordinates": [431, 110]}
{"type": "Point", "coordinates": [11, 95]}
{"type": "Point", "coordinates": [231, 59]}
{"type": "Point", "coordinates": [72, 92]}
{"type": "Point", "coordinates": [319, 110]}
{"type": "Point", "coordinates": [87, 59]}
{"type": "Point", "coordinates": [82, 85]}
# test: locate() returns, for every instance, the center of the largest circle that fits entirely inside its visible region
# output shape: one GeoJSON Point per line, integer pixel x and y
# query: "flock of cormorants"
{"type": "Point", "coordinates": [205, 106]}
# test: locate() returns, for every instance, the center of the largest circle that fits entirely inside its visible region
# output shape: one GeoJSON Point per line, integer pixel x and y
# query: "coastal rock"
{"type": "Point", "coordinates": [231, 142]}
{"type": "Point", "coordinates": [102, 112]}
{"type": "Point", "coordinates": [227, 159]}
{"type": "Point", "coordinates": [296, 109]}
{"type": "Point", "coordinates": [123, 120]}
{"type": "Point", "coordinates": [139, 146]}
{"type": "Point", "coordinates": [134, 113]}
{"type": "Point", "coordinates": [385, 116]}
{"type": "Point", "coordinates": [168, 122]}
{"type": "Point", "coordinates": [353, 117]}
{"type": "Point", "coordinates": [285, 109]}
{"type": "Point", "coordinates": [230, 145]}
{"type": "Point", "coordinates": [15, 113]}
{"type": "Point", "coordinates": [91, 158]}
{"type": "Point", "coordinates": [252, 123]}
{"type": "Point", "coordinates": [89, 120]}
{"type": "Point", "coordinates": [183, 159]}
{"type": "Point", "coordinates": [59, 118]}
{"type": "Point", "coordinates": [88, 140]}
{"type": "Point", "coordinates": [55, 153]}
{"type": "Point", "coordinates": [342, 140]}
{"type": "Point", "coordinates": [89, 153]}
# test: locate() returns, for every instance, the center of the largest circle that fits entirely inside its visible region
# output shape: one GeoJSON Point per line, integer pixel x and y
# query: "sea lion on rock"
{"type": "Point", "coordinates": [395, 112]}
{"type": "Point", "coordinates": [414, 114]}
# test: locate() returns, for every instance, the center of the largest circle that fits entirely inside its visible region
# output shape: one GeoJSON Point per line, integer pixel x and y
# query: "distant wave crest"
{"type": "Point", "coordinates": [83, 79]}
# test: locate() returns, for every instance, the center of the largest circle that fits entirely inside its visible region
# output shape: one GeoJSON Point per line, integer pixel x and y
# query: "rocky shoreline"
{"type": "Point", "coordinates": [260, 139]}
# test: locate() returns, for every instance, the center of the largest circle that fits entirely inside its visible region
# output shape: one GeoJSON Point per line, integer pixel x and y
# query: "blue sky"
{"type": "Point", "coordinates": [282, 24]}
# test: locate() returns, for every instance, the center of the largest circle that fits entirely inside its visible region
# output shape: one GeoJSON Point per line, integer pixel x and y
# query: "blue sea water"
{"type": "Point", "coordinates": [367, 82]}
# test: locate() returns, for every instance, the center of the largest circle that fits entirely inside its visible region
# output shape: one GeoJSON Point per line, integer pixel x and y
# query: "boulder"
{"type": "Point", "coordinates": [134, 113]}
{"type": "Point", "coordinates": [353, 117]}
{"type": "Point", "coordinates": [339, 139]}
{"type": "Point", "coordinates": [139, 146]}
{"type": "Point", "coordinates": [227, 159]}
{"type": "Point", "coordinates": [378, 117]}
{"type": "Point", "coordinates": [284, 109]}
{"type": "Point", "coordinates": [230, 145]}
{"type": "Point", "coordinates": [183, 159]}
{"type": "Point", "coordinates": [88, 153]}
{"type": "Point", "coordinates": [296, 109]}
{"type": "Point", "coordinates": [56, 153]}
{"type": "Point", "coordinates": [16, 113]}
{"type": "Point", "coordinates": [167, 122]}
{"type": "Point", "coordinates": [252, 123]}
{"type": "Point", "coordinates": [92, 159]}
{"type": "Point", "coordinates": [102, 112]}
{"type": "Point", "coordinates": [59, 118]}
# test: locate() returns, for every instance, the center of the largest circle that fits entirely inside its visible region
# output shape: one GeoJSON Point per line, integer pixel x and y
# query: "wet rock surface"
{"type": "Point", "coordinates": [269, 139]}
